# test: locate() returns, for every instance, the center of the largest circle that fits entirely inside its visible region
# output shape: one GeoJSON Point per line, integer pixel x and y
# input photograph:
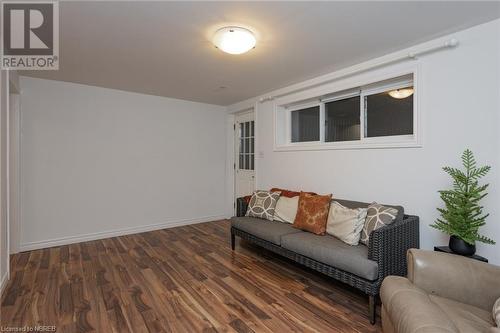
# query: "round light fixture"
{"type": "Point", "coordinates": [234, 40]}
{"type": "Point", "coordinates": [401, 93]}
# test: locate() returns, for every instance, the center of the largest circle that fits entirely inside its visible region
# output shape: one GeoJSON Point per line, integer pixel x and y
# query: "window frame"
{"type": "Point", "coordinates": [374, 86]}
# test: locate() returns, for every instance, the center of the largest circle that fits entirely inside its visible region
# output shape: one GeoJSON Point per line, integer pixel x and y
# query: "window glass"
{"type": "Point", "coordinates": [342, 121]}
{"type": "Point", "coordinates": [387, 115]}
{"type": "Point", "coordinates": [305, 124]}
{"type": "Point", "coordinates": [246, 146]}
{"type": "Point", "coordinates": [247, 161]}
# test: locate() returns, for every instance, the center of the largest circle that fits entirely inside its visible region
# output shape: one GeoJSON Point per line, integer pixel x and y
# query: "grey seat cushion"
{"type": "Point", "coordinates": [332, 251]}
{"type": "Point", "coordinates": [270, 231]}
{"type": "Point", "coordinates": [357, 204]}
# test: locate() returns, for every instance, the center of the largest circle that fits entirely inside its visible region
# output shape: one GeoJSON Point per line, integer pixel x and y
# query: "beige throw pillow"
{"type": "Point", "coordinates": [345, 223]}
{"type": "Point", "coordinates": [286, 209]}
{"type": "Point", "coordinates": [377, 216]}
{"type": "Point", "coordinates": [496, 312]}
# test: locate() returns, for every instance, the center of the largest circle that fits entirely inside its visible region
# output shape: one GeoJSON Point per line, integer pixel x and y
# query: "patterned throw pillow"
{"type": "Point", "coordinates": [377, 216]}
{"type": "Point", "coordinates": [496, 312]}
{"type": "Point", "coordinates": [312, 213]}
{"type": "Point", "coordinates": [345, 223]}
{"type": "Point", "coordinates": [262, 204]}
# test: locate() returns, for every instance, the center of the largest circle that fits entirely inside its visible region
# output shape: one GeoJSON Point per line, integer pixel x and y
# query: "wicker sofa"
{"type": "Point", "coordinates": [363, 267]}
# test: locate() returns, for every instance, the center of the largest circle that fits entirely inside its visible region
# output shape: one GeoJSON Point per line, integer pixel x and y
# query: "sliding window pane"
{"type": "Point", "coordinates": [252, 157]}
{"type": "Point", "coordinates": [305, 124]}
{"type": "Point", "coordinates": [241, 166]}
{"type": "Point", "coordinates": [252, 128]}
{"type": "Point", "coordinates": [386, 115]}
{"type": "Point", "coordinates": [342, 120]}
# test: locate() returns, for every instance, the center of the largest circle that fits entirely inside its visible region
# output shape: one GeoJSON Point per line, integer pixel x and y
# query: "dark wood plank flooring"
{"type": "Point", "coordinates": [184, 279]}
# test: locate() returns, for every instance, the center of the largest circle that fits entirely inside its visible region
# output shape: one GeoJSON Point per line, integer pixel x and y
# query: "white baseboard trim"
{"type": "Point", "coordinates": [114, 233]}
{"type": "Point", "coordinates": [3, 282]}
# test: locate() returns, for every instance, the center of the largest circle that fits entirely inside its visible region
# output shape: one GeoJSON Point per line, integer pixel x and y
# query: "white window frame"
{"type": "Point", "coordinates": [373, 86]}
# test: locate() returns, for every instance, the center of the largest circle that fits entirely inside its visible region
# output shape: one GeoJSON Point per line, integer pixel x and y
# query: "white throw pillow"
{"type": "Point", "coordinates": [345, 223]}
{"type": "Point", "coordinates": [286, 209]}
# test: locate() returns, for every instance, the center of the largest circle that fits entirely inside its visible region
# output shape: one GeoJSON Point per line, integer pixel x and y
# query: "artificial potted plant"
{"type": "Point", "coordinates": [463, 216]}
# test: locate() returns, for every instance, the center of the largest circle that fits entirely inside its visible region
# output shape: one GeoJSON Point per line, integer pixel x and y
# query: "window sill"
{"type": "Point", "coordinates": [348, 145]}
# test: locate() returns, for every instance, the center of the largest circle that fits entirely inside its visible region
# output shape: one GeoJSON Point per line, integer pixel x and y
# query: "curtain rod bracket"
{"type": "Point", "coordinates": [451, 43]}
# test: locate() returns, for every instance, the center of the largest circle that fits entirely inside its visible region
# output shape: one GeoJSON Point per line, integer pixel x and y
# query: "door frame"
{"type": "Point", "coordinates": [11, 81]}
{"type": "Point", "coordinates": [236, 139]}
{"type": "Point", "coordinates": [14, 171]}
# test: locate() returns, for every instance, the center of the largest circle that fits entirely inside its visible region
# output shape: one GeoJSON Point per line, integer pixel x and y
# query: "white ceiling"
{"type": "Point", "coordinates": [164, 48]}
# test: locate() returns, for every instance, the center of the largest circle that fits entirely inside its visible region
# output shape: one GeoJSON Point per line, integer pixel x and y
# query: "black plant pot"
{"type": "Point", "coordinates": [459, 246]}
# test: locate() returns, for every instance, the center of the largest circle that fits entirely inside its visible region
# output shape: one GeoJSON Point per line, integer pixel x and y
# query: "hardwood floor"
{"type": "Point", "coordinates": [183, 279]}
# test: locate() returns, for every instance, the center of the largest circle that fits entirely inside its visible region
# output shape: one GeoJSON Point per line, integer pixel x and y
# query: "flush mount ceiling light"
{"type": "Point", "coordinates": [401, 93]}
{"type": "Point", "coordinates": [234, 40]}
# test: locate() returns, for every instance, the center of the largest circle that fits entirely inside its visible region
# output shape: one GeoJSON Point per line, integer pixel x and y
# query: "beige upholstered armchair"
{"type": "Point", "coordinates": [443, 293]}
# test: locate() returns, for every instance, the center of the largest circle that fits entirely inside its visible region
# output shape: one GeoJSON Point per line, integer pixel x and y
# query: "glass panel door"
{"type": "Point", "coordinates": [244, 166]}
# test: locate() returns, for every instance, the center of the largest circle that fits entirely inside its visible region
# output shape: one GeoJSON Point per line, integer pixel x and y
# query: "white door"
{"type": "Point", "coordinates": [244, 129]}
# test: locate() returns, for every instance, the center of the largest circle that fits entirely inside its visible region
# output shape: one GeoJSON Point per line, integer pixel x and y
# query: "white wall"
{"type": "Point", "coordinates": [460, 105]}
{"type": "Point", "coordinates": [97, 162]}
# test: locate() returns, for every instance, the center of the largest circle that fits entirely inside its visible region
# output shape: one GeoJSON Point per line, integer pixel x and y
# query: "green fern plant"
{"type": "Point", "coordinates": [463, 216]}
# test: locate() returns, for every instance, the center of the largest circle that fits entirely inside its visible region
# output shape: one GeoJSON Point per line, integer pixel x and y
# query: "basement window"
{"type": "Point", "coordinates": [376, 115]}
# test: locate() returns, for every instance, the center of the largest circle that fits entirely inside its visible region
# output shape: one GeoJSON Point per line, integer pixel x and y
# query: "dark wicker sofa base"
{"type": "Point", "coordinates": [388, 246]}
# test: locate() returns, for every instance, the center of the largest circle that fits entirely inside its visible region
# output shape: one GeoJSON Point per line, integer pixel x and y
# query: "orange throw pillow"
{"type": "Point", "coordinates": [312, 213]}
